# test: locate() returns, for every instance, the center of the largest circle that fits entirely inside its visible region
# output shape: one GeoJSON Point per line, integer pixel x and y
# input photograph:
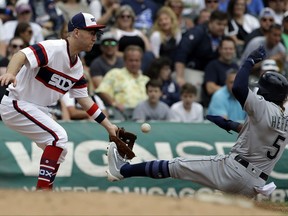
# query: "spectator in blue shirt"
{"type": "Point", "coordinates": [223, 103]}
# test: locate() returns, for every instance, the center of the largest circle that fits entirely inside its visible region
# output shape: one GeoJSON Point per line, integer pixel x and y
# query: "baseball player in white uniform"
{"type": "Point", "coordinates": [41, 74]}
{"type": "Point", "coordinates": [246, 168]}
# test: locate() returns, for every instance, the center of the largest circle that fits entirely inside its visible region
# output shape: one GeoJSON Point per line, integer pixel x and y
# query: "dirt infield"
{"type": "Point", "coordinates": [74, 203]}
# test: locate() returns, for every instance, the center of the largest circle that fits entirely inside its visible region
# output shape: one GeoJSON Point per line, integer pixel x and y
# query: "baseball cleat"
{"type": "Point", "coordinates": [115, 162]}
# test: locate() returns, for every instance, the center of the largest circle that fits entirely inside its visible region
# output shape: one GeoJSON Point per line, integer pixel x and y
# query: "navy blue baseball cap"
{"type": "Point", "coordinates": [83, 21]}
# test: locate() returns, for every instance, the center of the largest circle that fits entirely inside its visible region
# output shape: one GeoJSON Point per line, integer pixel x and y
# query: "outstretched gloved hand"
{"type": "Point", "coordinates": [257, 55]}
{"type": "Point", "coordinates": [224, 123]}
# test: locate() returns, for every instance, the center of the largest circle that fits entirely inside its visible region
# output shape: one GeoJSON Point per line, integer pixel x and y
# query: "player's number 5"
{"type": "Point", "coordinates": [269, 155]}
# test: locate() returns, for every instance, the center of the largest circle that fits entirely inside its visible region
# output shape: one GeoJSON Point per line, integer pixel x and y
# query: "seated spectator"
{"type": "Point", "coordinates": [279, 7]}
{"type": "Point", "coordinates": [240, 23]}
{"type": "Point", "coordinates": [212, 5]}
{"type": "Point", "coordinates": [254, 7]}
{"type": "Point", "coordinates": [76, 112]}
{"type": "Point", "coordinates": [203, 16]}
{"type": "Point", "coordinates": [71, 7]}
{"type": "Point", "coordinates": [266, 19]}
{"type": "Point", "coordinates": [123, 88]}
{"type": "Point", "coordinates": [24, 14]}
{"type": "Point", "coordinates": [272, 45]}
{"type": "Point", "coordinates": [24, 31]}
{"type": "Point", "coordinates": [160, 69]}
{"type": "Point", "coordinates": [48, 30]}
{"type": "Point", "coordinates": [166, 34]}
{"type": "Point", "coordinates": [127, 35]}
{"type": "Point", "coordinates": [45, 11]}
{"type": "Point", "coordinates": [192, 7]}
{"type": "Point", "coordinates": [187, 109]}
{"type": "Point", "coordinates": [223, 103]}
{"type": "Point", "coordinates": [104, 11]}
{"type": "Point", "coordinates": [152, 108]}
{"type": "Point", "coordinates": [107, 60]}
{"type": "Point", "coordinates": [184, 22]}
{"type": "Point", "coordinates": [15, 44]}
{"type": "Point", "coordinates": [145, 13]}
{"type": "Point", "coordinates": [216, 70]}
{"type": "Point", "coordinates": [199, 45]}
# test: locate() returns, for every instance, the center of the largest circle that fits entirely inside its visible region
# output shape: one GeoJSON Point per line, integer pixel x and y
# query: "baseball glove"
{"type": "Point", "coordinates": [125, 142]}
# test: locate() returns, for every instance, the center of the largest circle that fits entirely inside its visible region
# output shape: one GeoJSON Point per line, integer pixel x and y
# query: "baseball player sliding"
{"type": "Point", "coordinates": [41, 74]}
{"type": "Point", "coordinates": [259, 146]}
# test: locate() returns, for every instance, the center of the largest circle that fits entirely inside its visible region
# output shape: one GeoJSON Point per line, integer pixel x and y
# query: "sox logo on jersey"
{"type": "Point", "coordinates": [60, 82]}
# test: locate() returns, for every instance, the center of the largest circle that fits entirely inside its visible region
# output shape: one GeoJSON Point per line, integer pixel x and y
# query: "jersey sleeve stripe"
{"type": "Point", "coordinates": [81, 83]}
{"type": "Point", "coordinates": [40, 54]}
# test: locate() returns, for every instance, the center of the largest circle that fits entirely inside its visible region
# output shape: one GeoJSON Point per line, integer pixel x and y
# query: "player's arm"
{"type": "Point", "coordinates": [240, 87]}
{"type": "Point", "coordinates": [14, 66]}
{"type": "Point", "coordinates": [94, 111]}
{"type": "Point", "coordinates": [226, 124]}
{"type": "Point", "coordinates": [183, 51]}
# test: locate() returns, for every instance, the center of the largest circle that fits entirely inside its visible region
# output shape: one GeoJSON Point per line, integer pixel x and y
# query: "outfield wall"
{"type": "Point", "coordinates": [86, 162]}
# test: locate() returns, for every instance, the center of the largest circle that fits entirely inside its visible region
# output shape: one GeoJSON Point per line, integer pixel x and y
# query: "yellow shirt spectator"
{"type": "Point", "coordinates": [123, 87]}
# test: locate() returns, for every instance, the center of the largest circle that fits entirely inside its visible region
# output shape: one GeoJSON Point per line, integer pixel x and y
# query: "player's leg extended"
{"type": "Point", "coordinates": [197, 169]}
{"type": "Point", "coordinates": [119, 168]}
{"type": "Point", "coordinates": [37, 125]}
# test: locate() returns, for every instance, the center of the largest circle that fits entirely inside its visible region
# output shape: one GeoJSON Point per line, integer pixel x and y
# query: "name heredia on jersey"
{"type": "Point", "coordinates": [280, 123]}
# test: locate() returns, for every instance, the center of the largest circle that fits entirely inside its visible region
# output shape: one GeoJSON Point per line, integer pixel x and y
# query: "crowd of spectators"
{"type": "Point", "coordinates": [138, 69]}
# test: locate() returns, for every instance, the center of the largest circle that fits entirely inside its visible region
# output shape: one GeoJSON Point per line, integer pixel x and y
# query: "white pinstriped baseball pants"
{"type": "Point", "coordinates": [33, 122]}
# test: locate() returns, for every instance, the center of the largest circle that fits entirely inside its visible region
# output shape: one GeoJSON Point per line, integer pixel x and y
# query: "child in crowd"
{"type": "Point", "coordinates": [152, 108]}
{"type": "Point", "coordinates": [187, 110]}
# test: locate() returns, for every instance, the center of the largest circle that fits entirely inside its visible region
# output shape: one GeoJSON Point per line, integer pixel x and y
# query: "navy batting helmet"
{"type": "Point", "coordinates": [273, 86]}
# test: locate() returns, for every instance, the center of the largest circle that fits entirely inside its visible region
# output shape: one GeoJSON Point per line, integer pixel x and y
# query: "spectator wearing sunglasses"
{"type": "Point", "coordinates": [266, 19]}
{"type": "Point", "coordinates": [240, 23]}
{"type": "Point", "coordinates": [15, 44]}
{"type": "Point", "coordinates": [24, 31]}
{"type": "Point", "coordinates": [107, 60]}
{"type": "Point", "coordinates": [212, 5]}
{"type": "Point", "coordinates": [127, 34]}
{"type": "Point", "coordinates": [24, 14]}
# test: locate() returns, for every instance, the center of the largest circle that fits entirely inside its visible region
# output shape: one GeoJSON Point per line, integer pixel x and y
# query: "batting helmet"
{"type": "Point", "coordinates": [273, 86]}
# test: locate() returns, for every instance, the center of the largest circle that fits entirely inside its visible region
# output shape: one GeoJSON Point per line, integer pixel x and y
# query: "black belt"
{"type": "Point", "coordinates": [7, 93]}
{"type": "Point", "coordinates": [245, 163]}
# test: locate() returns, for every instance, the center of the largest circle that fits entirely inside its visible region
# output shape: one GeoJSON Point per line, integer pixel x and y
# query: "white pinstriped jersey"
{"type": "Point", "coordinates": [264, 135]}
{"type": "Point", "coordinates": [49, 74]}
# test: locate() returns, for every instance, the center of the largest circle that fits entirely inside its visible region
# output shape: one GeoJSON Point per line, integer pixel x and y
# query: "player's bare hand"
{"type": "Point", "coordinates": [7, 78]}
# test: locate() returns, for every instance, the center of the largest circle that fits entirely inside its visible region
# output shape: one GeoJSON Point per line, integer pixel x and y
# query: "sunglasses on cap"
{"type": "Point", "coordinates": [109, 43]}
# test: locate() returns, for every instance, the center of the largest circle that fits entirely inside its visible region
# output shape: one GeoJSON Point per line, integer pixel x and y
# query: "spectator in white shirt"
{"type": "Point", "coordinates": [187, 109]}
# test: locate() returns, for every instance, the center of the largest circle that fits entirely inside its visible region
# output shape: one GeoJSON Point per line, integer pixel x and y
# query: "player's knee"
{"type": "Point", "coordinates": [62, 137]}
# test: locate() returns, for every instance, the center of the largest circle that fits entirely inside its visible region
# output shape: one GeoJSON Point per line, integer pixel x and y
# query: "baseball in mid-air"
{"type": "Point", "coordinates": [145, 127]}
